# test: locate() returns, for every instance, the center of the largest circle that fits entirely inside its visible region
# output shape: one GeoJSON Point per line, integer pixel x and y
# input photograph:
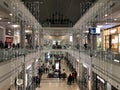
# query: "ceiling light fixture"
{"type": "Point", "coordinates": [115, 60]}
{"type": "Point", "coordinates": [11, 14]}
{"type": "Point", "coordinates": [106, 23]}
{"type": "Point", "coordinates": [15, 26]}
{"type": "Point", "coordinates": [86, 31]}
{"type": "Point", "coordinates": [0, 18]}
{"type": "Point", "coordinates": [8, 22]}
{"type": "Point", "coordinates": [115, 19]}
{"type": "Point", "coordinates": [28, 31]}
{"type": "Point", "coordinates": [106, 15]}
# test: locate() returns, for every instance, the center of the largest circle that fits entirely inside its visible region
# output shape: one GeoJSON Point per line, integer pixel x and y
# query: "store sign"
{"type": "Point", "coordinates": [19, 82]}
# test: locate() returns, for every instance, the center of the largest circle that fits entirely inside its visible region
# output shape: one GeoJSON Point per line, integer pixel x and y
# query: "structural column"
{"type": "Point", "coordinates": [22, 34]}
{"type": "Point", "coordinates": [93, 42]}
{"type": "Point", "coordinates": [24, 73]}
{"type": "Point", "coordinates": [74, 40]}
{"type": "Point", "coordinates": [93, 39]}
{"type": "Point", "coordinates": [40, 37]}
{"type": "Point", "coordinates": [81, 43]}
{"type": "Point", "coordinates": [33, 38]}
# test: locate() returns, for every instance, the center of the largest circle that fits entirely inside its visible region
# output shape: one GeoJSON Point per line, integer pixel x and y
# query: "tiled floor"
{"type": "Point", "coordinates": [55, 83]}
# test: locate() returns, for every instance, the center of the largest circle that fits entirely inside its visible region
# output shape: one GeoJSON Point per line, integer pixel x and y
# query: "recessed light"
{"type": "Point", "coordinates": [11, 14]}
{"type": "Point", "coordinates": [86, 31]}
{"type": "Point", "coordinates": [0, 18]}
{"type": "Point", "coordinates": [15, 26]}
{"type": "Point", "coordinates": [8, 22]}
{"type": "Point", "coordinates": [115, 19]}
{"type": "Point", "coordinates": [9, 31]}
{"type": "Point", "coordinates": [115, 60]}
{"type": "Point", "coordinates": [106, 23]}
{"type": "Point", "coordinates": [106, 15]}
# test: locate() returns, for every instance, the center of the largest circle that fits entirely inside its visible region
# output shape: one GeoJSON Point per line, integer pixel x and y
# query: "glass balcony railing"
{"type": "Point", "coordinates": [100, 54]}
{"type": "Point", "coordinates": [7, 54]}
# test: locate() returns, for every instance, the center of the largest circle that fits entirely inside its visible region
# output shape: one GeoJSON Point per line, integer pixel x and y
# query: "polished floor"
{"type": "Point", "coordinates": [55, 83]}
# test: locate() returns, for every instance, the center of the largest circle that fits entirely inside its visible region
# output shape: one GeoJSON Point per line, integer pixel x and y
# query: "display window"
{"type": "Point", "coordinates": [100, 83]}
{"type": "Point", "coordinates": [111, 39]}
{"type": "Point", "coordinates": [114, 43]}
{"type": "Point", "coordinates": [119, 43]}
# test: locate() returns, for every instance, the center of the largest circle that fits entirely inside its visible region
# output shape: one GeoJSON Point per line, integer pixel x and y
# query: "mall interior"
{"type": "Point", "coordinates": [59, 45]}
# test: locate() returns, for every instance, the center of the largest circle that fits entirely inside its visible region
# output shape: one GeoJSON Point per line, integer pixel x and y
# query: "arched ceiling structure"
{"type": "Point", "coordinates": [58, 13]}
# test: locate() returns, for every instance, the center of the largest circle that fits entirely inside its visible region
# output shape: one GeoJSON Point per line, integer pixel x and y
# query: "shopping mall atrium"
{"type": "Point", "coordinates": [59, 44]}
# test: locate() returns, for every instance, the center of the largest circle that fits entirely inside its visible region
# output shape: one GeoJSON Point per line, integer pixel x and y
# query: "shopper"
{"type": "Point", "coordinates": [76, 76]}
{"type": "Point", "coordinates": [85, 45]}
{"type": "Point", "coordinates": [38, 81]}
{"type": "Point", "coordinates": [69, 79]}
{"type": "Point", "coordinates": [73, 77]}
{"type": "Point", "coordinates": [64, 75]}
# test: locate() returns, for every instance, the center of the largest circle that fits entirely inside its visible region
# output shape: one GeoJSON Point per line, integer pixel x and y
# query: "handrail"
{"type": "Point", "coordinates": [8, 54]}
{"type": "Point", "coordinates": [108, 56]}
{"type": "Point", "coordinates": [112, 76]}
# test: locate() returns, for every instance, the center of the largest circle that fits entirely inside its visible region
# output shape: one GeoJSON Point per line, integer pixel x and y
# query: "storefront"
{"type": "Point", "coordinates": [111, 39]}
{"type": "Point", "coordinates": [98, 82]}
{"type": "Point", "coordinates": [84, 85]}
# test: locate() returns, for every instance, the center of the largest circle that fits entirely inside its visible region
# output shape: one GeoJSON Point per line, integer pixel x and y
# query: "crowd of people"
{"type": "Point", "coordinates": [8, 45]}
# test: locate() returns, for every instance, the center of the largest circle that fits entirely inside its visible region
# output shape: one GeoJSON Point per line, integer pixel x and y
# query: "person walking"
{"type": "Point", "coordinates": [69, 79]}
{"type": "Point", "coordinates": [76, 76]}
{"type": "Point", "coordinates": [73, 77]}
